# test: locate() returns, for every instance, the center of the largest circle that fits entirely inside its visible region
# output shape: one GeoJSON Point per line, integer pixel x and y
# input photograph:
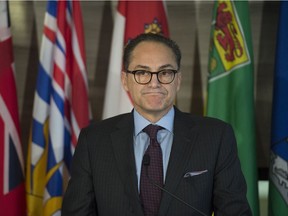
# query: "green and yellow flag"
{"type": "Point", "coordinates": [230, 84]}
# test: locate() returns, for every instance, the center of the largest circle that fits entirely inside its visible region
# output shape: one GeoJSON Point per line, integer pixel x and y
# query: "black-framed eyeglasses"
{"type": "Point", "coordinates": [165, 76]}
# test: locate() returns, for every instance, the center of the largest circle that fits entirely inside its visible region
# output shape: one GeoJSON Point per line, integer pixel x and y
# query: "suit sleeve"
{"type": "Point", "coordinates": [79, 199]}
{"type": "Point", "coordinates": [229, 183]}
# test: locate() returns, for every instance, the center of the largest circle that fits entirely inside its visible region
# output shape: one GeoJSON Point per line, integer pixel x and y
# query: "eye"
{"type": "Point", "coordinates": [166, 72]}
{"type": "Point", "coordinates": [142, 73]}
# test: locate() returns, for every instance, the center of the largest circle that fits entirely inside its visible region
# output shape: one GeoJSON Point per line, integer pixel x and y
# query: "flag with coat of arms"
{"type": "Point", "coordinates": [278, 172]}
{"type": "Point", "coordinates": [231, 84]}
{"type": "Point", "coordinates": [61, 107]}
{"type": "Point", "coordinates": [131, 19]}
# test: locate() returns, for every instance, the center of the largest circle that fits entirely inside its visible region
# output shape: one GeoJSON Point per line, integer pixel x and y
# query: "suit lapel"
{"type": "Point", "coordinates": [183, 143]}
{"type": "Point", "coordinates": [122, 142]}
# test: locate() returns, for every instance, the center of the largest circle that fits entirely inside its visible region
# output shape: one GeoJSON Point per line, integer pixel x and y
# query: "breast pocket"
{"type": "Point", "coordinates": [196, 185]}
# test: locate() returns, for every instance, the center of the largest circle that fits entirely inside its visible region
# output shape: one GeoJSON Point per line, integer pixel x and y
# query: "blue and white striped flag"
{"type": "Point", "coordinates": [61, 107]}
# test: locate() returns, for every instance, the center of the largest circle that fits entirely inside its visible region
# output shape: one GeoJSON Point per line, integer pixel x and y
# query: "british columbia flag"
{"type": "Point", "coordinates": [12, 190]}
{"type": "Point", "coordinates": [61, 107]}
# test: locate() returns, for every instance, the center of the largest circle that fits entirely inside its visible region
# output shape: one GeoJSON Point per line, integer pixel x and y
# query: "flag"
{"type": "Point", "coordinates": [132, 18]}
{"type": "Point", "coordinates": [12, 186]}
{"type": "Point", "coordinates": [230, 84]}
{"type": "Point", "coordinates": [278, 172]}
{"type": "Point", "coordinates": [61, 107]}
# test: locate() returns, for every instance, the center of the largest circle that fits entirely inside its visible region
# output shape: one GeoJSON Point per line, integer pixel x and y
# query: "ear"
{"type": "Point", "coordinates": [179, 79]}
{"type": "Point", "coordinates": [124, 78]}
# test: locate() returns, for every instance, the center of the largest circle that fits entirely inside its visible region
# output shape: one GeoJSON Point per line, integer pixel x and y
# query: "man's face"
{"type": "Point", "coordinates": [152, 100]}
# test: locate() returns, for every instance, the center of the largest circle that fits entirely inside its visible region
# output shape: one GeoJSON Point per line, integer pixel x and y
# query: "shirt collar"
{"type": "Point", "coordinates": [166, 121]}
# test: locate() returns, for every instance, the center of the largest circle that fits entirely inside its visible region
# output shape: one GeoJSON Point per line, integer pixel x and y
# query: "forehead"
{"type": "Point", "coordinates": [152, 51]}
{"type": "Point", "coordinates": [151, 45]}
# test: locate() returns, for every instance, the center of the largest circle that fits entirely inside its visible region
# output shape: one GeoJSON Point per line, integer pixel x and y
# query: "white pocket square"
{"type": "Point", "coordinates": [195, 173]}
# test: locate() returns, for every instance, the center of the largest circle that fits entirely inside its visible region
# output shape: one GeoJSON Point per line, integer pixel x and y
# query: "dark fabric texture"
{"type": "Point", "coordinates": [203, 170]}
{"type": "Point", "coordinates": [152, 173]}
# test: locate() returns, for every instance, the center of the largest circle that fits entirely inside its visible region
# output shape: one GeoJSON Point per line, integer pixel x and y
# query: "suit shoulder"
{"type": "Point", "coordinates": [204, 121]}
{"type": "Point", "coordinates": [109, 124]}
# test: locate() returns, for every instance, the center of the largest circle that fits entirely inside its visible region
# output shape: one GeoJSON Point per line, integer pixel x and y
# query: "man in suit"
{"type": "Point", "coordinates": [113, 169]}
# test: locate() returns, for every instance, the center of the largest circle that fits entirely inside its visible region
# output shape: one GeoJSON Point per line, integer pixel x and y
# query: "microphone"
{"type": "Point", "coordinates": [146, 163]}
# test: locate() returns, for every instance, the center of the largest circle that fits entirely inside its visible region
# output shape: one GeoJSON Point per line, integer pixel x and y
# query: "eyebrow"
{"type": "Point", "coordinates": [148, 68]}
{"type": "Point", "coordinates": [166, 66]}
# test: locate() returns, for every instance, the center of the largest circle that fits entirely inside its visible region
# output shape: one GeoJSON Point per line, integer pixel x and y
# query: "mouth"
{"type": "Point", "coordinates": [153, 93]}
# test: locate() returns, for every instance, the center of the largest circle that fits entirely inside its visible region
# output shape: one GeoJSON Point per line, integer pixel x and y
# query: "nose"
{"type": "Point", "coordinates": [154, 81]}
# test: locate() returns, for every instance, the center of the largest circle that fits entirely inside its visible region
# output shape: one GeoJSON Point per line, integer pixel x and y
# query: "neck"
{"type": "Point", "coordinates": [151, 116]}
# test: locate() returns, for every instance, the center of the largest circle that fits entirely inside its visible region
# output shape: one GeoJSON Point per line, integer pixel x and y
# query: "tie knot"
{"type": "Point", "coordinates": [152, 131]}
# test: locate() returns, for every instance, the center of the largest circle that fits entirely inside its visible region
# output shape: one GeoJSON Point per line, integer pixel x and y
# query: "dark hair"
{"type": "Point", "coordinates": [130, 46]}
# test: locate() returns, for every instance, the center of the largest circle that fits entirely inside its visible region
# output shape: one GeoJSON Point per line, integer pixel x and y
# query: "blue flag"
{"type": "Point", "coordinates": [278, 186]}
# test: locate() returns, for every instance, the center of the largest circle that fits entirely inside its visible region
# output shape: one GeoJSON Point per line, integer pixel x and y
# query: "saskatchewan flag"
{"type": "Point", "coordinates": [230, 84]}
{"type": "Point", "coordinates": [278, 173]}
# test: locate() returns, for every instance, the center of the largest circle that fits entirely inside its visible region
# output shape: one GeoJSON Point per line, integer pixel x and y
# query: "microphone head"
{"type": "Point", "coordinates": [146, 160]}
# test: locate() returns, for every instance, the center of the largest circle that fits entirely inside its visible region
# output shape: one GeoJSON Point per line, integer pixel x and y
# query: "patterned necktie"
{"type": "Point", "coordinates": [150, 194]}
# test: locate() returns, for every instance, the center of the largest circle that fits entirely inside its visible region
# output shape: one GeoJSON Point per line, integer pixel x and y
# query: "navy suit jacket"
{"type": "Point", "coordinates": [203, 170]}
